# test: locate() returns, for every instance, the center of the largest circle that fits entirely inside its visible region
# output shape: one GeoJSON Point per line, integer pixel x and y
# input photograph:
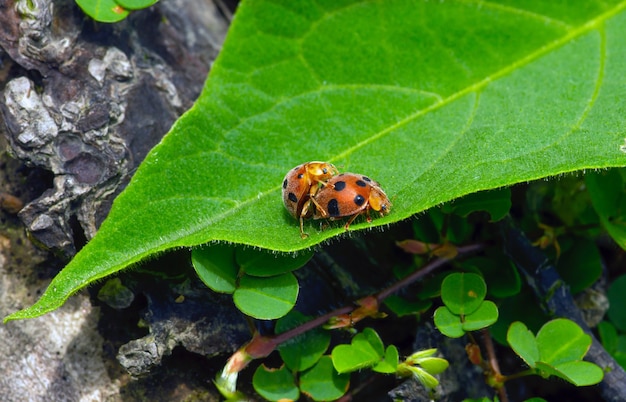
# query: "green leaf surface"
{"type": "Point", "coordinates": [608, 336]}
{"type": "Point", "coordinates": [135, 4]}
{"type": "Point", "coordinates": [499, 273]}
{"type": "Point", "coordinates": [427, 379]}
{"type": "Point", "coordinates": [373, 339]}
{"type": "Point", "coordinates": [365, 350]}
{"type": "Point", "coordinates": [496, 202]}
{"type": "Point", "coordinates": [579, 373]}
{"type": "Point", "coordinates": [304, 350]}
{"type": "Point", "coordinates": [485, 315]}
{"type": "Point", "coordinates": [275, 384]}
{"type": "Point", "coordinates": [390, 361]}
{"type": "Point", "coordinates": [103, 10]}
{"type": "Point", "coordinates": [521, 307]}
{"type": "Point", "coordinates": [448, 323]}
{"type": "Point", "coordinates": [580, 265]}
{"type": "Point", "coordinates": [434, 365]}
{"type": "Point", "coordinates": [266, 298]}
{"type": "Point", "coordinates": [523, 342]}
{"type": "Point", "coordinates": [435, 100]}
{"type": "Point", "coordinates": [403, 307]}
{"type": "Point", "coordinates": [257, 262]}
{"type": "Point", "coordinates": [215, 266]}
{"type": "Point", "coordinates": [606, 190]}
{"type": "Point", "coordinates": [620, 353]}
{"type": "Point", "coordinates": [621, 343]}
{"type": "Point", "coordinates": [560, 341]}
{"type": "Point", "coordinates": [617, 301]}
{"type": "Point", "coordinates": [463, 293]}
{"type": "Point", "coordinates": [431, 287]}
{"type": "Point", "coordinates": [322, 382]}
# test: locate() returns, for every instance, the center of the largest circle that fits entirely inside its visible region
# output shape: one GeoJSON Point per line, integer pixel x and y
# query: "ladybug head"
{"type": "Point", "coordinates": [379, 202]}
{"type": "Point", "coordinates": [322, 170]}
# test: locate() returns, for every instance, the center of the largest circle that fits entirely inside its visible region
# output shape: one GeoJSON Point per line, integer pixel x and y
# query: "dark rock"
{"type": "Point", "coordinates": [92, 99]}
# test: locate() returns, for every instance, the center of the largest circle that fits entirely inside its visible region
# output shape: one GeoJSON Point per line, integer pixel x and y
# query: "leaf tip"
{"type": "Point", "coordinates": [34, 311]}
{"type": "Point", "coordinates": [18, 315]}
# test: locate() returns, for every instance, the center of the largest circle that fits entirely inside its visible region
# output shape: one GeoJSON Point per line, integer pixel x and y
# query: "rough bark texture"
{"type": "Point", "coordinates": [92, 99]}
{"type": "Point", "coordinates": [82, 103]}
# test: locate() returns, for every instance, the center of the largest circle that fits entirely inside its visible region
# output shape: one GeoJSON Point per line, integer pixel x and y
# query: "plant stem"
{"type": "Point", "coordinates": [494, 365]}
{"type": "Point", "coordinates": [261, 346]}
{"type": "Point", "coordinates": [520, 374]}
{"type": "Point", "coordinates": [309, 325]}
{"type": "Point", "coordinates": [382, 295]}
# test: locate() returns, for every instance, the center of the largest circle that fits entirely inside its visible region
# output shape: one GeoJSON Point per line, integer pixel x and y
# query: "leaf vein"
{"type": "Point", "coordinates": [583, 29]}
{"type": "Point", "coordinates": [521, 12]}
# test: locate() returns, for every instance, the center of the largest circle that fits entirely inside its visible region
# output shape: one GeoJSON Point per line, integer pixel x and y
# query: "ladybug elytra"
{"type": "Point", "coordinates": [301, 184]}
{"type": "Point", "coordinates": [350, 194]}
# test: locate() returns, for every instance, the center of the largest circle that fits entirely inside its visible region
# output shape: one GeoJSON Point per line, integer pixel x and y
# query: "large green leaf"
{"type": "Point", "coordinates": [433, 99]}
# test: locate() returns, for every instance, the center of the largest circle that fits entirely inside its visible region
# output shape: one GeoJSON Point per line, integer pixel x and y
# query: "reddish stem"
{"type": "Point", "coordinates": [261, 346]}
{"type": "Point", "coordinates": [382, 295]}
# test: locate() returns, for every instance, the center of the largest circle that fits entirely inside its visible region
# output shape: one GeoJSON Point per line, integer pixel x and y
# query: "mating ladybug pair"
{"type": "Point", "coordinates": [316, 189]}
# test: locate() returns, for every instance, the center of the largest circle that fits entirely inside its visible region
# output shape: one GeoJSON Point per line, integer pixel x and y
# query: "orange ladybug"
{"type": "Point", "coordinates": [301, 184]}
{"type": "Point", "coordinates": [350, 194]}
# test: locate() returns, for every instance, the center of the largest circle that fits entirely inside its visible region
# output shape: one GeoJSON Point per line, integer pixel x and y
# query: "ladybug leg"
{"type": "Point", "coordinates": [304, 214]}
{"type": "Point", "coordinates": [352, 218]}
{"type": "Point", "coordinates": [319, 208]}
{"type": "Point", "coordinates": [315, 188]}
{"type": "Point", "coordinates": [302, 233]}
{"type": "Point", "coordinates": [367, 214]}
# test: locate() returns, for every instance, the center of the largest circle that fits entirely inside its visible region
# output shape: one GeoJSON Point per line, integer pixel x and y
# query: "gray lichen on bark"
{"type": "Point", "coordinates": [92, 99]}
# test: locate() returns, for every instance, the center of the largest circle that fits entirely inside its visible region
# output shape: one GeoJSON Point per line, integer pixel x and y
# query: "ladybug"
{"type": "Point", "coordinates": [301, 184]}
{"type": "Point", "coordinates": [350, 194]}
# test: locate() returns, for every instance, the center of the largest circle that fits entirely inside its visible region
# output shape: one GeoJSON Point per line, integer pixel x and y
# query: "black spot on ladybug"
{"type": "Point", "coordinates": [333, 207]}
{"type": "Point", "coordinates": [300, 176]}
{"type": "Point", "coordinates": [361, 183]}
{"type": "Point", "coordinates": [292, 197]}
{"type": "Point", "coordinates": [359, 200]}
{"type": "Point", "coordinates": [366, 178]}
{"type": "Point", "coordinates": [340, 185]}
{"type": "Point", "coordinates": [285, 183]}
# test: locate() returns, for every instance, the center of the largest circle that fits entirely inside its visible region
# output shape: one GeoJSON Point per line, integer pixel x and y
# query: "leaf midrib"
{"type": "Point", "coordinates": [574, 33]}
